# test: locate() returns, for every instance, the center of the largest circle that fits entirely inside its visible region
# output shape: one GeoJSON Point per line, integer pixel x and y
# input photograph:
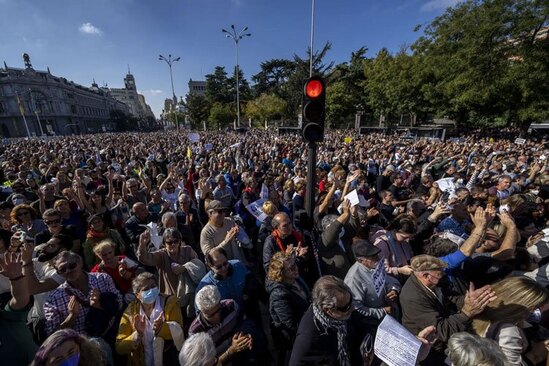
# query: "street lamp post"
{"type": "Point", "coordinates": [170, 61]}
{"type": "Point", "coordinates": [236, 38]}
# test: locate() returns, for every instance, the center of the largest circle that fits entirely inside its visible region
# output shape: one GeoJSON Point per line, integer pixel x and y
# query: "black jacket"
{"type": "Point", "coordinates": [313, 346]}
{"type": "Point", "coordinates": [286, 308]}
{"type": "Point", "coordinates": [420, 309]}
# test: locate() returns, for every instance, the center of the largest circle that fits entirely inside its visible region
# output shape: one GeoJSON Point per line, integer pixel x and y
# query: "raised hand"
{"type": "Point", "coordinates": [159, 322]}
{"type": "Point", "coordinates": [95, 298]}
{"type": "Point", "coordinates": [74, 306]}
{"type": "Point", "coordinates": [139, 323]}
{"type": "Point", "coordinates": [301, 250]}
{"type": "Point", "coordinates": [479, 218]}
{"type": "Point", "coordinates": [11, 266]}
{"type": "Point", "coordinates": [232, 233]}
{"type": "Point", "coordinates": [144, 238]}
{"type": "Point", "coordinates": [506, 219]}
{"type": "Point", "coordinates": [477, 299]}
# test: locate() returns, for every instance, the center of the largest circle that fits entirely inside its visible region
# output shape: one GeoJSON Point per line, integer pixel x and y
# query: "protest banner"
{"type": "Point", "coordinates": [256, 209]}
{"type": "Point", "coordinates": [194, 137]}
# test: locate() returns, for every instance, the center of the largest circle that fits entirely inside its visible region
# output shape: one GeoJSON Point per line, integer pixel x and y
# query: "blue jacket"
{"type": "Point", "coordinates": [233, 286]}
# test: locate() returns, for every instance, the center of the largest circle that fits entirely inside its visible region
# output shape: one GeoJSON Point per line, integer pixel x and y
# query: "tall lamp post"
{"type": "Point", "coordinates": [236, 38]}
{"type": "Point", "coordinates": [170, 61]}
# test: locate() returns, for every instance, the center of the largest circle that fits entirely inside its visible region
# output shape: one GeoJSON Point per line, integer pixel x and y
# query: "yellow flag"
{"type": "Point", "coordinates": [189, 152]}
{"type": "Point", "coordinates": [21, 106]}
{"type": "Point", "coordinates": [347, 140]}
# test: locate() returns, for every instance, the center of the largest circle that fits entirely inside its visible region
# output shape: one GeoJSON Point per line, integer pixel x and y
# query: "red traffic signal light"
{"type": "Point", "coordinates": [313, 104]}
{"type": "Point", "coordinates": [313, 88]}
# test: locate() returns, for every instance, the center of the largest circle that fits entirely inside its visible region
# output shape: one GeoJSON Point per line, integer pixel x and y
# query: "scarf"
{"type": "Point", "coordinates": [340, 326]}
{"type": "Point", "coordinates": [96, 235]}
{"type": "Point", "coordinates": [297, 237]}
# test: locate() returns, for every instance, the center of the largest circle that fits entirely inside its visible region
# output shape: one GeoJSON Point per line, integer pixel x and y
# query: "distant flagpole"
{"type": "Point", "coordinates": [22, 111]}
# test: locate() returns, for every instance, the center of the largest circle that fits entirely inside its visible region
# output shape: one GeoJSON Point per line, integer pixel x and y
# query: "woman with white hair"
{"type": "Point", "coordinates": [465, 349]}
{"type": "Point", "coordinates": [220, 319]}
{"type": "Point", "coordinates": [198, 350]}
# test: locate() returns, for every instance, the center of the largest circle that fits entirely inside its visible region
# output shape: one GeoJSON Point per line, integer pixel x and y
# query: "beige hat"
{"type": "Point", "coordinates": [215, 205]}
{"type": "Point", "coordinates": [424, 262]}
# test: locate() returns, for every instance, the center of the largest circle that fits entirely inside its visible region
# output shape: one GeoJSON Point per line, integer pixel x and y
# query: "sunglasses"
{"type": "Point", "coordinates": [67, 268]}
{"type": "Point", "coordinates": [23, 213]}
{"type": "Point", "coordinates": [51, 222]}
{"type": "Point", "coordinates": [171, 242]}
{"type": "Point", "coordinates": [222, 265]}
{"type": "Point", "coordinates": [345, 308]}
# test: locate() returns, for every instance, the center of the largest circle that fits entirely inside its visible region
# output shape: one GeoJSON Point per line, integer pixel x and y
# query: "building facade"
{"type": "Point", "coordinates": [197, 87]}
{"type": "Point", "coordinates": [36, 102]}
{"type": "Point", "coordinates": [135, 101]}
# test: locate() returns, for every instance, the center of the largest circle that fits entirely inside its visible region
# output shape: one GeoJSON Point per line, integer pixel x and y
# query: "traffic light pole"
{"type": "Point", "coordinates": [311, 182]}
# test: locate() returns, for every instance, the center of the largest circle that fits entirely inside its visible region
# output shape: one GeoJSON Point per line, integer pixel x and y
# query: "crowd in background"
{"type": "Point", "coordinates": [178, 249]}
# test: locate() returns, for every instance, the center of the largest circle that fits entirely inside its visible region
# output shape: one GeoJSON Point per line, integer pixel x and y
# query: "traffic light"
{"type": "Point", "coordinates": [313, 102]}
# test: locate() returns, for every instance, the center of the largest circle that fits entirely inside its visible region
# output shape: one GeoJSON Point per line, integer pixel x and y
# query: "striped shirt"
{"type": "Point", "coordinates": [56, 307]}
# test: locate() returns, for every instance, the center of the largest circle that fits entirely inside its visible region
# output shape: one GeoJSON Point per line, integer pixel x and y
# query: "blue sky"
{"type": "Point", "coordinates": [86, 39]}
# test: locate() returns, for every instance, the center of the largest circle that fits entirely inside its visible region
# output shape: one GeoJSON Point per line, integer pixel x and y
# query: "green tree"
{"type": "Point", "coordinates": [217, 87]}
{"type": "Point", "coordinates": [265, 108]}
{"type": "Point", "coordinates": [486, 64]}
{"type": "Point", "coordinates": [346, 92]}
{"type": "Point", "coordinates": [293, 88]}
{"type": "Point", "coordinates": [198, 110]}
{"type": "Point", "coordinates": [272, 77]}
{"type": "Point", "coordinates": [378, 73]}
{"type": "Point", "coordinates": [221, 116]}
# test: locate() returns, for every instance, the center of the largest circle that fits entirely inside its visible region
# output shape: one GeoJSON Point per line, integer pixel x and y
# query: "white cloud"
{"type": "Point", "coordinates": [438, 4]}
{"type": "Point", "coordinates": [89, 28]}
{"type": "Point", "coordinates": [152, 91]}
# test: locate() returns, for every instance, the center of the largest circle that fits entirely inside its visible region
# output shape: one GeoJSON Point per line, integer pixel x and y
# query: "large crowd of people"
{"type": "Point", "coordinates": [168, 248]}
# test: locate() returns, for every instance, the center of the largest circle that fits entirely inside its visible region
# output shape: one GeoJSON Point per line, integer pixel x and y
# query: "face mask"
{"type": "Point", "coordinates": [71, 361]}
{"type": "Point", "coordinates": [150, 296]}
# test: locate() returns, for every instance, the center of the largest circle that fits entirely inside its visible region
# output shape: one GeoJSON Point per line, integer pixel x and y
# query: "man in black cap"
{"type": "Point", "coordinates": [362, 278]}
{"type": "Point", "coordinates": [423, 304]}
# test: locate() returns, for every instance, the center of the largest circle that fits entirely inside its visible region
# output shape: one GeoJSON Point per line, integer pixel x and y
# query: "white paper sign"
{"type": "Point", "coordinates": [194, 137]}
{"type": "Point", "coordinates": [356, 199]}
{"type": "Point", "coordinates": [379, 277]}
{"type": "Point", "coordinates": [446, 185]}
{"type": "Point", "coordinates": [520, 141]}
{"type": "Point", "coordinates": [395, 345]}
{"type": "Point", "coordinates": [256, 209]}
{"type": "Point", "coordinates": [155, 238]}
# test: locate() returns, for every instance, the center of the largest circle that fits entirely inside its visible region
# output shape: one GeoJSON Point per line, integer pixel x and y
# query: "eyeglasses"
{"type": "Point", "coordinates": [23, 213]}
{"type": "Point", "coordinates": [171, 242]}
{"type": "Point", "coordinates": [222, 265]}
{"type": "Point", "coordinates": [51, 222]}
{"type": "Point", "coordinates": [347, 307]}
{"type": "Point", "coordinates": [69, 267]}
